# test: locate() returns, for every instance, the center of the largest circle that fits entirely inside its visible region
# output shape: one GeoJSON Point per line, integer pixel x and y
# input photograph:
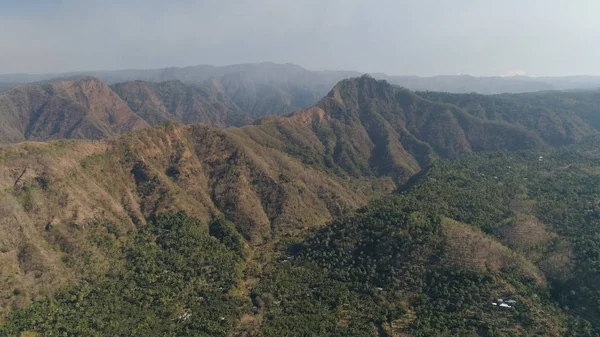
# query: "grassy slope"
{"type": "Point", "coordinates": [51, 191]}
{"type": "Point", "coordinates": [426, 262]}
{"type": "Point", "coordinates": [85, 108]}
{"type": "Point", "coordinates": [272, 180]}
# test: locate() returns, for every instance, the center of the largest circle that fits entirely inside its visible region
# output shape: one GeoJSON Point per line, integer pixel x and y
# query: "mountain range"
{"type": "Point", "coordinates": [89, 109]}
{"type": "Point", "coordinates": [68, 109]}
{"type": "Point", "coordinates": [256, 225]}
{"type": "Point", "coordinates": [269, 76]}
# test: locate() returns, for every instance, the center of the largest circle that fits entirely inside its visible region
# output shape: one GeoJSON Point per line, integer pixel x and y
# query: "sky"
{"type": "Point", "coordinates": [397, 37]}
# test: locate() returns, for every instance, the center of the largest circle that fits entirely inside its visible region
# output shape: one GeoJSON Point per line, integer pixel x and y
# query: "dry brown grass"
{"type": "Point", "coordinates": [468, 247]}
{"type": "Point", "coordinates": [525, 232]}
{"type": "Point", "coordinates": [69, 184]}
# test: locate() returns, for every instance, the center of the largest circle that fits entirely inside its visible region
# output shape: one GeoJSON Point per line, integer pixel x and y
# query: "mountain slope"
{"type": "Point", "coordinates": [72, 109]}
{"type": "Point", "coordinates": [258, 89]}
{"type": "Point", "coordinates": [460, 234]}
{"type": "Point", "coordinates": [404, 273]}
{"type": "Point", "coordinates": [52, 192]}
{"type": "Point", "coordinates": [365, 127]}
{"type": "Point", "coordinates": [551, 113]}
{"type": "Point", "coordinates": [430, 261]}
{"type": "Point", "coordinates": [174, 101]}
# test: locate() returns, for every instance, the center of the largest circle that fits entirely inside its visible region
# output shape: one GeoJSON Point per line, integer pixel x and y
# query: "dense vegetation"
{"type": "Point", "coordinates": [487, 208]}
{"type": "Point", "coordinates": [542, 206]}
{"type": "Point", "coordinates": [169, 279]}
{"type": "Point", "coordinates": [428, 261]}
{"type": "Point", "coordinates": [554, 115]}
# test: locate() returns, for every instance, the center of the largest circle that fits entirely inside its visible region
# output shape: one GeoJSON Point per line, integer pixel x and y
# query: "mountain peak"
{"type": "Point", "coordinates": [353, 91]}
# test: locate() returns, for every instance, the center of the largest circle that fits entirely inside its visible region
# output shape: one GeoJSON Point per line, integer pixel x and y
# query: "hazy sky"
{"type": "Point", "coordinates": [420, 37]}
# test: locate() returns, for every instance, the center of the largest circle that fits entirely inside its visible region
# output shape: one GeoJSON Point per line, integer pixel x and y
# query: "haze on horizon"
{"type": "Point", "coordinates": [426, 37]}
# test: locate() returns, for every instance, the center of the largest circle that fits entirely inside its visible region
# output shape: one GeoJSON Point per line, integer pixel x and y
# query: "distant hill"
{"type": "Point", "coordinates": [361, 125]}
{"type": "Point", "coordinates": [174, 101]}
{"type": "Point", "coordinates": [5, 86]}
{"type": "Point", "coordinates": [468, 84]}
{"type": "Point", "coordinates": [528, 108]}
{"type": "Point", "coordinates": [85, 108]}
{"type": "Point", "coordinates": [89, 109]}
{"type": "Point", "coordinates": [259, 89]}
{"type": "Point", "coordinates": [304, 87]}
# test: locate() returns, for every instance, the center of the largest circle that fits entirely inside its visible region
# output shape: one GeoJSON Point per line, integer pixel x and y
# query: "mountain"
{"type": "Point", "coordinates": [491, 203]}
{"type": "Point", "coordinates": [527, 108]}
{"type": "Point", "coordinates": [369, 127]}
{"type": "Point", "coordinates": [261, 89]}
{"type": "Point", "coordinates": [258, 89]}
{"type": "Point", "coordinates": [73, 109]}
{"type": "Point", "coordinates": [53, 193]}
{"type": "Point", "coordinates": [174, 101]}
{"type": "Point", "coordinates": [468, 233]}
{"type": "Point", "coordinates": [300, 84]}
{"type": "Point", "coordinates": [432, 260]}
{"type": "Point", "coordinates": [89, 109]}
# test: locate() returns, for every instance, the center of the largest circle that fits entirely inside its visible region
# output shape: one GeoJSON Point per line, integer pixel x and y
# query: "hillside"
{"type": "Point", "coordinates": [258, 89]}
{"type": "Point", "coordinates": [429, 261]}
{"type": "Point", "coordinates": [89, 109]}
{"type": "Point", "coordinates": [52, 192]}
{"type": "Point", "coordinates": [86, 224]}
{"type": "Point", "coordinates": [72, 109]}
{"type": "Point", "coordinates": [361, 115]}
{"type": "Point", "coordinates": [365, 127]}
{"type": "Point", "coordinates": [536, 110]}
{"type": "Point", "coordinates": [174, 101]}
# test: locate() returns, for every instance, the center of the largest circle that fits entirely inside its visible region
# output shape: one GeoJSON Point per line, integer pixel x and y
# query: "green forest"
{"type": "Point", "coordinates": [379, 211]}
{"type": "Point", "coordinates": [170, 279]}
{"type": "Point", "coordinates": [428, 261]}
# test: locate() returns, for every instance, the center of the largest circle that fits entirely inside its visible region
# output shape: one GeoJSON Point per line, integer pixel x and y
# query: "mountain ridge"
{"type": "Point", "coordinates": [276, 201]}
{"type": "Point", "coordinates": [322, 81]}
{"type": "Point", "coordinates": [395, 131]}
{"type": "Point", "coordinates": [86, 108]}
